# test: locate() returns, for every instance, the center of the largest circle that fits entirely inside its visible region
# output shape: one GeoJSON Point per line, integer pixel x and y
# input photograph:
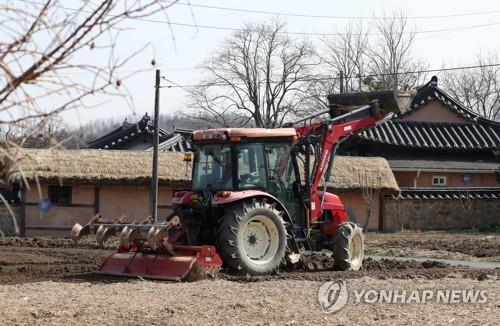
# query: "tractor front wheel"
{"type": "Point", "coordinates": [252, 238]}
{"type": "Point", "coordinates": [348, 247]}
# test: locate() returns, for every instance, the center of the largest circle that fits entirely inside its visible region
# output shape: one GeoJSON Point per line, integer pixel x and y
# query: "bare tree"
{"type": "Point", "coordinates": [54, 56]}
{"type": "Point", "coordinates": [43, 48]}
{"type": "Point", "coordinates": [392, 64]}
{"type": "Point", "coordinates": [258, 77]}
{"type": "Point", "coordinates": [479, 88]}
{"type": "Point", "coordinates": [468, 204]}
{"type": "Point", "coordinates": [369, 184]}
{"type": "Point", "coordinates": [345, 55]}
{"type": "Point", "coordinates": [401, 214]}
{"type": "Point", "coordinates": [342, 60]}
{"type": "Point", "coordinates": [41, 133]}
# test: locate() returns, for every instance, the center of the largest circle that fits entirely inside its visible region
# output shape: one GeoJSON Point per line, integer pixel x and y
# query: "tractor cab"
{"type": "Point", "coordinates": [238, 159]}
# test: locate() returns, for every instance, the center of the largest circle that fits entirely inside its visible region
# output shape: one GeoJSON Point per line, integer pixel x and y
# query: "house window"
{"type": "Point", "coordinates": [60, 195]}
{"type": "Point", "coordinates": [439, 181]}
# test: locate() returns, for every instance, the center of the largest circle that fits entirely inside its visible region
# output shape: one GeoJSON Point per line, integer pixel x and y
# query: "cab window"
{"type": "Point", "coordinates": [251, 166]}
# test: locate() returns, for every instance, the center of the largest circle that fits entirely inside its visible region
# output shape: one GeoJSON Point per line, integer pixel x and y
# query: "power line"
{"type": "Point", "coordinates": [331, 34]}
{"type": "Point", "coordinates": [234, 29]}
{"type": "Point", "coordinates": [175, 85]}
{"type": "Point", "coordinates": [275, 13]}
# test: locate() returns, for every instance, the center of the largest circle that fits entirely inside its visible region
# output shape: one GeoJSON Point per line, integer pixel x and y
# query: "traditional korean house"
{"type": "Point", "coordinates": [70, 186]}
{"type": "Point", "coordinates": [139, 137]}
{"type": "Point", "coordinates": [443, 157]}
{"type": "Point", "coordinates": [58, 188]}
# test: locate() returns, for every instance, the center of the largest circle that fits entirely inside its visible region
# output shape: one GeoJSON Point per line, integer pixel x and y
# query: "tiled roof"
{"type": "Point", "coordinates": [450, 136]}
{"type": "Point", "coordinates": [430, 92]}
{"type": "Point", "coordinates": [126, 133]}
{"type": "Point", "coordinates": [177, 143]}
{"type": "Point", "coordinates": [447, 193]}
{"type": "Point", "coordinates": [475, 133]}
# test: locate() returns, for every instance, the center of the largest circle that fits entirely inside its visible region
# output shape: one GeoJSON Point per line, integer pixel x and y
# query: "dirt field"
{"type": "Point", "coordinates": [464, 246]}
{"type": "Point", "coordinates": [48, 281]}
{"type": "Point", "coordinates": [277, 302]}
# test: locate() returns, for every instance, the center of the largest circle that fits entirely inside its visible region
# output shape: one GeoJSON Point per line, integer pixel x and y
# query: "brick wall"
{"type": "Point", "coordinates": [440, 214]}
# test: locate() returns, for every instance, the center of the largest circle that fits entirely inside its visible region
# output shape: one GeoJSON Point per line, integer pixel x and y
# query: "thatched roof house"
{"type": "Point", "coordinates": [353, 172]}
{"type": "Point", "coordinates": [131, 167]}
{"type": "Point", "coordinates": [70, 186]}
{"type": "Point", "coordinates": [94, 166]}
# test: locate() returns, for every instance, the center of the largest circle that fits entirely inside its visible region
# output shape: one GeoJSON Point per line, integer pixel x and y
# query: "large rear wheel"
{"type": "Point", "coordinates": [252, 238]}
{"type": "Point", "coordinates": [348, 247]}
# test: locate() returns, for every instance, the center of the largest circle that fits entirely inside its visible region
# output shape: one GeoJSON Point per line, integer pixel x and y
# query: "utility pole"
{"type": "Point", "coordinates": [341, 77]}
{"type": "Point", "coordinates": [154, 179]}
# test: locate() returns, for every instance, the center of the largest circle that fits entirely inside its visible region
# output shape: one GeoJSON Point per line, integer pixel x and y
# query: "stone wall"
{"type": "Point", "coordinates": [439, 214]}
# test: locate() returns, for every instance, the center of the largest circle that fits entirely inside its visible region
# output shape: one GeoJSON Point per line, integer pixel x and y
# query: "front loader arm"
{"type": "Point", "coordinates": [332, 132]}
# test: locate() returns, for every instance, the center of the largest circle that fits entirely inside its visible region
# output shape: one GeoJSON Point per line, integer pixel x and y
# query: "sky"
{"type": "Point", "coordinates": [178, 50]}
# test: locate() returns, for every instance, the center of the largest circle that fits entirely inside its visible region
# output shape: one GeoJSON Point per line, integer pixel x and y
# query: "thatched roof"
{"type": "Point", "coordinates": [95, 166]}
{"type": "Point", "coordinates": [353, 172]}
{"type": "Point", "coordinates": [134, 167]}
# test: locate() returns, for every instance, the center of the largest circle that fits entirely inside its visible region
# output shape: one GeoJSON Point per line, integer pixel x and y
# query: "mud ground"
{"type": "Point", "coordinates": [60, 260]}
{"type": "Point", "coordinates": [221, 302]}
{"type": "Point", "coordinates": [451, 245]}
{"type": "Point", "coordinates": [49, 281]}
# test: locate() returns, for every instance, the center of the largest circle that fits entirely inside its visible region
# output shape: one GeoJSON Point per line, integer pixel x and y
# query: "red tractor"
{"type": "Point", "coordinates": [258, 200]}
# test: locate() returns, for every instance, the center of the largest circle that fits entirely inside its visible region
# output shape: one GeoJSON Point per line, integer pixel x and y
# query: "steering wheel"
{"type": "Point", "coordinates": [249, 179]}
{"type": "Point", "coordinates": [274, 176]}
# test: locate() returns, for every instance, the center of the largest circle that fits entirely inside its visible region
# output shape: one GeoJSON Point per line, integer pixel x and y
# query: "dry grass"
{"type": "Point", "coordinates": [106, 166]}
{"type": "Point", "coordinates": [347, 169]}
{"type": "Point", "coordinates": [114, 166]}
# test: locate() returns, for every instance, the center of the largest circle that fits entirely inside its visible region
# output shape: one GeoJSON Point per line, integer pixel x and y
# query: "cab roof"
{"type": "Point", "coordinates": [220, 133]}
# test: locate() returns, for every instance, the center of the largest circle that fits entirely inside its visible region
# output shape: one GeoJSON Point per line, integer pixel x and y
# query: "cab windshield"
{"type": "Point", "coordinates": [212, 168]}
{"type": "Point", "coordinates": [242, 166]}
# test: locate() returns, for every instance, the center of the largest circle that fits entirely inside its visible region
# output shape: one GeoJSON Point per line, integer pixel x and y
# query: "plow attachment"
{"type": "Point", "coordinates": [188, 260]}
{"type": "Point", "coordinates": [148, 250]}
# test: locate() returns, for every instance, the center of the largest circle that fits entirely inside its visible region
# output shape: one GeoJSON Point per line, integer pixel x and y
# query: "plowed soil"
{"type": "Point", "coordinates": [221, 302]}
{"type": "Point", "coordinates": [40, 259]}
{"type": "Point", "coordinates": [459, 245]}
{"type": "Point", "coordinates": [49, 282]}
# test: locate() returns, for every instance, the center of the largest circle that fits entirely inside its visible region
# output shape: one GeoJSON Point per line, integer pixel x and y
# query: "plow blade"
{"type": "Point", "coordinates": [149, 250]}
{"type": "Point", "coordinates": [128, 233]}
{"type": "Point", "coordinates": [189, 260]}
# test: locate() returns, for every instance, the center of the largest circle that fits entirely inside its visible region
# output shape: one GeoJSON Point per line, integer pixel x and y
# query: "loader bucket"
{"type": "Point", "coordinates": [389, 101]}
